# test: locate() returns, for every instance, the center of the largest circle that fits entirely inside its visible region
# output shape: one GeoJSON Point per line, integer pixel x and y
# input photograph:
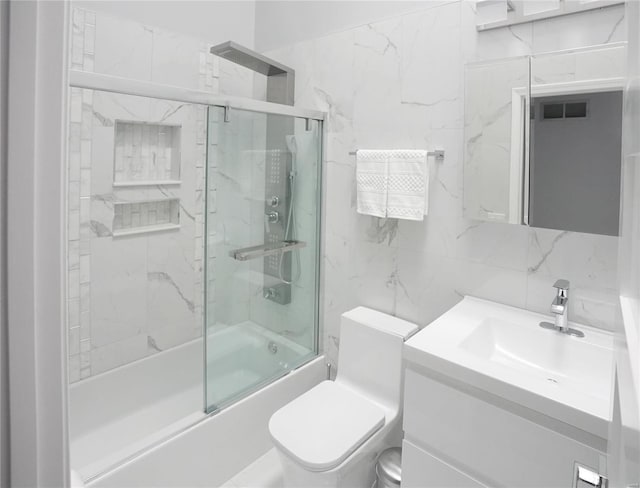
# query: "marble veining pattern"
{"type": "Point", "coordinates": [132, 296]}
{"type": "Point", "coordinates": [399, 83]}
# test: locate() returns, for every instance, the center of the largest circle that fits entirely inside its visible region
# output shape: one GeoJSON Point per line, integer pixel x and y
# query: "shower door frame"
{"type": "Point", "coordinates": [127, 86]}
{"type": "Point", "coordinates": [315, 348]}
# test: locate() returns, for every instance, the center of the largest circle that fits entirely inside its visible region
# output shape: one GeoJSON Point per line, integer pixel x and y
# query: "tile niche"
{"type": "Point", "coordinates": [147, 216]}
{"type": "Point", "coordinates": [146, 154]}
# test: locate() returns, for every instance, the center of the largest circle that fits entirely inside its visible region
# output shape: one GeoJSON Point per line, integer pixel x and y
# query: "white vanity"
{"type": "Point", "coordinates": [493, 399]}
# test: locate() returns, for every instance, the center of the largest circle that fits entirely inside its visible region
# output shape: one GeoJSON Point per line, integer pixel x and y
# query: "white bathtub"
{"type": "Point", "coordinates": [143, 424]}
{"type": "Point", "coordinates": [245, 355]}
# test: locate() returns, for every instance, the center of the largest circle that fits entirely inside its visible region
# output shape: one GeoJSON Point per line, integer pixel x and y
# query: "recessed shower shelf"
{"type": "Point", "coordinates": [143, 217]}
{"type": "Point", "coordinates": [149, 229]}
{"type": "Point", "coordinates": [134, 184]}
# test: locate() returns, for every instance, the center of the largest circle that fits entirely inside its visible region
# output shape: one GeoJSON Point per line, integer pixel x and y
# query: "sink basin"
{"type": "Point", "coordinates": [539, 352]}
{"type": "Point", "coordinates": [503, 350]}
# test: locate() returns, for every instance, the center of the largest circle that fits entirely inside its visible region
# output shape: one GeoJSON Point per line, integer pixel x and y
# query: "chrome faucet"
{"type": "Point", "coordinates": [560, 309]}
{"type": "Point", "coordinates": [560, 304]}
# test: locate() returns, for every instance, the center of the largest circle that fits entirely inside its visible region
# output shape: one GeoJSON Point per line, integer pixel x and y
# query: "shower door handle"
{"type": "Point", "coordinates": [254, 252]}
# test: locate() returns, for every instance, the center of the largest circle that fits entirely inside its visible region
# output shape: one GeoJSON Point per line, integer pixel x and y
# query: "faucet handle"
{"type": "Point", "coordinates": [561, 285]}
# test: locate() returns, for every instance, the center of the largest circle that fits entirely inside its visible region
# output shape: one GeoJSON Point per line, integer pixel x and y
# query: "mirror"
{"type": "Point", "coordinates": [543, 140]}
{"type": "Point", "coordinates": [496, 94]}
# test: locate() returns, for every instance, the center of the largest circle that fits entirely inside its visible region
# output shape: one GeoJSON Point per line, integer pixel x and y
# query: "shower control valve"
{"type": "Point", "coordinates": [274, 201]}
{"type": "Point", "coordinates": [271, 217]}
{"type": "Point", "coordinates": [269, 293]}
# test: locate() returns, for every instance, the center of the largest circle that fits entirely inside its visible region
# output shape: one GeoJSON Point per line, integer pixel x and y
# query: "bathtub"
{"type": "Point", "coordinates": [143, 424]}
{"type": "Point", "coordinates": [245, 356]}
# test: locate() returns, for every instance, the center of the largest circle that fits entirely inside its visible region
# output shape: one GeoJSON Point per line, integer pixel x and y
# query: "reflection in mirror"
{"type": "Point", "coordinates": [562, 169]}
{"type": "Point", "coordinates": [574, 174]}
{"type": "Point", "coordinates": [575, 140]}
{"type": "Point", "coordinates": [495, 102]}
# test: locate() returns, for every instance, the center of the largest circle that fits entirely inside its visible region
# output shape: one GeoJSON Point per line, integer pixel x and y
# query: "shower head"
{"type": "Point", "coordinates": [300, 144]}
{"type": "Point", "coordinates": [292, 144]}
{"type": "Point", "coordinates": [250, 59]}
{"type": "Point", "coordinates": [280, 78]}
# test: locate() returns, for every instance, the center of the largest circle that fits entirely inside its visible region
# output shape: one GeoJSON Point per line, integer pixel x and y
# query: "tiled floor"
{"type": "Point", "coordinates": [265, 472]}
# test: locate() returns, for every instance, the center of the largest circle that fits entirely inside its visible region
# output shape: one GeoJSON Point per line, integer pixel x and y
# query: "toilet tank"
{"type": "Point", "coordinates": [370, 356]}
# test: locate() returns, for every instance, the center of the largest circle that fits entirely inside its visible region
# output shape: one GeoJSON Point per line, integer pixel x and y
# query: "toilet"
{"type": "Point", "coordinates": [331, 435]}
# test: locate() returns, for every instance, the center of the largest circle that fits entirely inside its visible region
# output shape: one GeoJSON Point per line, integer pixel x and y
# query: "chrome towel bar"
{"type": "Point", "coordinates": [437, 154]}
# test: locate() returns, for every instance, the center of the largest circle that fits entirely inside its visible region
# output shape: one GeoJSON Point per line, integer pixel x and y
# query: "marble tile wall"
{"type": "Point", "coordinates": [488, 163]}
{"type": "Point", "coordinates": [399, 83]}
{"type": "Point", "coordinates": [79, 200]}
{"type": "Point", "coordinates": [232, 182]}
{"type": "Point", "coordinates": [129, 297]}
{"type": "Point", "coordinates": [630, 255]}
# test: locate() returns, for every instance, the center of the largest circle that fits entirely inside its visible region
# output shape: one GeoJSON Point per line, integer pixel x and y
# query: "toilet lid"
{"type": "Point", "coordinates": [322, 427]}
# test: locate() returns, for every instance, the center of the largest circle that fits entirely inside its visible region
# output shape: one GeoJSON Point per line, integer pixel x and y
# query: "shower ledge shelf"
{"type": "Point", "coordinates": [133, 184]}
{"type": "Point", "coordinates": [149, 229]}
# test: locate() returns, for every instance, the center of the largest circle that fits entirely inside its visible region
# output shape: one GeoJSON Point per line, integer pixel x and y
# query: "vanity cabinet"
{"type": "Point", "coordinates": [459, 436]}
{"type": "Point", "coordinates": [420, 469]}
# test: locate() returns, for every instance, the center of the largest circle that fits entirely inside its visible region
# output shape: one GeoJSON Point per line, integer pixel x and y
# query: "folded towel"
{"type": "Point", "coordinates": [372, 182]}
{"type": "Point", "coordinates": [408, 184]}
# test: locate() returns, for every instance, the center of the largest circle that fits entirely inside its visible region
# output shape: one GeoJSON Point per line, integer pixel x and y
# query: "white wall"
{"type": "Point", "coordinates": [211, 21]}
{"type": "Point", "coordinates": [4, 373]}
{"type": "Point", "coordinates": [35, 231]}
{"type": "Point", "coordinates": [280, 23]}
{"type": "Point", "coordinates": [398, 83]}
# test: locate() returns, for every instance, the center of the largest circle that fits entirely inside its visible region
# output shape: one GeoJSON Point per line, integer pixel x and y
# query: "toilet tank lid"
{"type": "Point", "coordinates": [381, 321]}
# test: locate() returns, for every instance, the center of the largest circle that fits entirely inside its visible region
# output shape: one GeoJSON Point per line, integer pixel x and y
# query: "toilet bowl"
{"type": "Point", "coordinates": [331, 435]}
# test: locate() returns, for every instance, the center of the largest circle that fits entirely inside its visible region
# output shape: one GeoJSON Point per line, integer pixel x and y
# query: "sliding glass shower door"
{"type": "Point", "coordinates": [261, 249]}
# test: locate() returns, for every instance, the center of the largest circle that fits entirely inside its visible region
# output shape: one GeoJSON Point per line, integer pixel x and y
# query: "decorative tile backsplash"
{"type": "Point", "coordinates": [138, 217]}
{"type": "Point", "coordinates": [146, 153]}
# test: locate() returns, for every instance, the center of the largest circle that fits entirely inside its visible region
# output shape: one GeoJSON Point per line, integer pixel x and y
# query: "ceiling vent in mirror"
{"type": "Point", "coordinates": [552, 111]}
{"type": "Point", "coordinates": [575, 110]}
{"type": "Point", "coordinates": [565, 110]}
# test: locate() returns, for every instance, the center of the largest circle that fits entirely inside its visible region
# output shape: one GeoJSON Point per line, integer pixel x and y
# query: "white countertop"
{"type": "Point", "coordinates": [502, 350]}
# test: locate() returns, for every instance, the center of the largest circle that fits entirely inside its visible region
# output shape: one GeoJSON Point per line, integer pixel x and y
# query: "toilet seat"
{"type": "Point", "coordinates": [322, 427]}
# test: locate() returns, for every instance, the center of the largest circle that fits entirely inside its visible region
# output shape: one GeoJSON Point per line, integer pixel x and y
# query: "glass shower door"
{"type": "Point", "coordinates": [261, 249]}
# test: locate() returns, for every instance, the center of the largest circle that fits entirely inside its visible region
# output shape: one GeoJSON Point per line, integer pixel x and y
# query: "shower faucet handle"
{"type": "Point", "coordinates": [271, 217]}
{"type": "Point", "coordinates": [269, 293]}
{"type": "Point", "coordinates": [274, 201]}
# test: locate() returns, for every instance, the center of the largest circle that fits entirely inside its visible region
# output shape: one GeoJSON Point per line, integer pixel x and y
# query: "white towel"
{"type": "Point", "coordinates": [408, 184]}
{"type": "Point", "coordinates": [372, 182]}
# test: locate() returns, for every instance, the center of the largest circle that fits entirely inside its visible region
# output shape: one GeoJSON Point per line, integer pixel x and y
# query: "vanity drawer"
{"type": "Point", "coordinates": [421, 470]}
{"type": "Point", "coordinates": [487, 442]}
